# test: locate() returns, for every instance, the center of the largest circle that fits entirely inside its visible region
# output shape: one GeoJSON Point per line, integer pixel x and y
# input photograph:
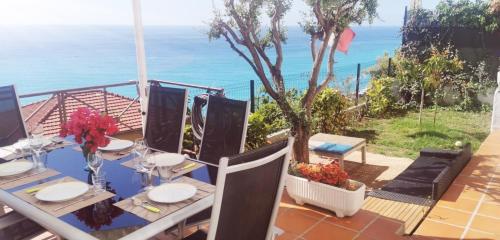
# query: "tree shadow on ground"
{"type": "Point", "coordinates": [365, 173]}
{"type": "Point", "coordinates": [430, 134]}
{"type": "Point", "coordinates": [369, 135]}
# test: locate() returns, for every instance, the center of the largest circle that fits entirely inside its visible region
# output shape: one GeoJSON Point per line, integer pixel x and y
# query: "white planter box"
{"type": "Point", "coordinates": [343, 202]}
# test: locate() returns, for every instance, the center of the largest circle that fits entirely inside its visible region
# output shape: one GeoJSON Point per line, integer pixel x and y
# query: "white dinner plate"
{"type": "Point", "coordinates": [117, 145]}
{"type": "Point", "coordinates": [167, 159]}
{"type": "Point", "coordinates": [14, 168]}
{"type": "Point", "coordinates": [172, 192]}
{"type": "Point", "coordinates": [61, 192]}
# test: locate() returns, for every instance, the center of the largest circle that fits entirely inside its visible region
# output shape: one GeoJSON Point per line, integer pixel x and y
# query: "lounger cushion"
{"type": "Point", "coordinates": [448, 154]}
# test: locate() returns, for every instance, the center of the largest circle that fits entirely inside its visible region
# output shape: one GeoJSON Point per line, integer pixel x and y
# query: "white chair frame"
{"type": "Point", "coordinates": [224, 169]}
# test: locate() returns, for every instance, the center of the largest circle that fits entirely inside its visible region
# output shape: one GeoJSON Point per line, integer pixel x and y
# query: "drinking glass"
{"type": "Point", "coordinates": [40, 161]}
{"type": "Point", "coordinates": [165, 173]}
{"type": "Point", "coordinates": [149, 166]}
{"type": "Point", "coordinates": [99, 182]}
{"type": "Point", "coordinates": [140, 150]}
{"type": "Point", "coordinates": [95, 163]}
{"type": "Point", "coordinates": [23, 148]}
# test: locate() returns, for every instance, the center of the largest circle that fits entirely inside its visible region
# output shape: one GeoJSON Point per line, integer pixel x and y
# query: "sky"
{"type": "Point", "coordinates": [154, 12]}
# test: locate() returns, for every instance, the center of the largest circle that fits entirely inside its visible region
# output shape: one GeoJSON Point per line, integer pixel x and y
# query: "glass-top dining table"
{"type": "Point", "coordinates": [92, 221]}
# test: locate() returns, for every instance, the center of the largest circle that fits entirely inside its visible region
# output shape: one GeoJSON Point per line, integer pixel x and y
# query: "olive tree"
{"type": "Point", "coordinates": [241, 24]}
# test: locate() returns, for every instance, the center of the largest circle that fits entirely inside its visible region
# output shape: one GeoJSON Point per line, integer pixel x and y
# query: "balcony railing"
{"type": "Point", "coordinates": [64, 101]}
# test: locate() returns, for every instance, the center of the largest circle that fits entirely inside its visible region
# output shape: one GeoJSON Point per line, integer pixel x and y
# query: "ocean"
{"type": "Point", "coordinates": [42, 58]}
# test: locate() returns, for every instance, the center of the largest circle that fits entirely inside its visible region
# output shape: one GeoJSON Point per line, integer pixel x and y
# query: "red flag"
{"type": "Point", "coordinates": [345, 40]}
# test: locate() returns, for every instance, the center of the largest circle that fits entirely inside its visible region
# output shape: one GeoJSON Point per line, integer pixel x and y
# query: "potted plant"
{"type": "Point", "coordinates": [326, 186]}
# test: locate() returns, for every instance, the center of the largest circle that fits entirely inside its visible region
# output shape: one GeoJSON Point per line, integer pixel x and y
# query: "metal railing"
{"type": "Point", "coordinates": [63, 95]}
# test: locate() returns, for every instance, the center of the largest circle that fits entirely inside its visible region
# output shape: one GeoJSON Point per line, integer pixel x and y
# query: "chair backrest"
{"type": "Point", "coordinates": [165, 118]}
{"type": "Point", "coordinates": [249, 188]}
{"type": "Point", "coordinates": [224, 132]}
{"type": "Point", "coordinates": [12, 127]}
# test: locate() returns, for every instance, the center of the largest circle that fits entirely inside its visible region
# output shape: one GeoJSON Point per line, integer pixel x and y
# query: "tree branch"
{"type": "Point", "coordinates": [313, 80]}
{"type": "Point", "coordinates": [331, 61]}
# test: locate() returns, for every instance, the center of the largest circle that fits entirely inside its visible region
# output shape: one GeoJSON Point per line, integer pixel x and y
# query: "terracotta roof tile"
{"type": "Point", "coordinates": [46, 112]}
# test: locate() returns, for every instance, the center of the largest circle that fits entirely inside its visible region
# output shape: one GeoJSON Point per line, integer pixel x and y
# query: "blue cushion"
{"type": "Point", "coordinates": [332, 148]}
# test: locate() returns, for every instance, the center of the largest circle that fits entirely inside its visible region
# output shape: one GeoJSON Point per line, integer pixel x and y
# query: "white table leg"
{"type": "Point", "coordinates": [341, 161]}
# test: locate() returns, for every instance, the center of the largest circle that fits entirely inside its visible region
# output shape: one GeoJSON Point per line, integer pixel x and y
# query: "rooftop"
{"type": "Point", "coordinates": [47, 112]}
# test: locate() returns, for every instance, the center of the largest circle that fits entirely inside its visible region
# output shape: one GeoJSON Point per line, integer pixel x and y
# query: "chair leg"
{"type": "Point", "coordinates": [180, 229]}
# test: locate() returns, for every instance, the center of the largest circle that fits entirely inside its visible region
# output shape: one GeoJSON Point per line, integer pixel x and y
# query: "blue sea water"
{"type": "Point", "coordinates": [41, 58]}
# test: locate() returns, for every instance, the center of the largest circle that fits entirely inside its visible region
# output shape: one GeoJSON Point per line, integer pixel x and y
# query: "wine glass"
{"type": "Point", "coordinates": [95, 163]}
{"type": "Point", "coordinates": [149, 165]}
{"type": "Point", "coordinates": [140, 149]}
{"type": "Point", "coordinates": [99, 182]}
{"type": "Point", "coordinates": [36, 143]}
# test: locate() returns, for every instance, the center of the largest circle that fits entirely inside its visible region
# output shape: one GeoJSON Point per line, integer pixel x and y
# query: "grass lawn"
{"type": "Point", "coordinates": [401, 136]}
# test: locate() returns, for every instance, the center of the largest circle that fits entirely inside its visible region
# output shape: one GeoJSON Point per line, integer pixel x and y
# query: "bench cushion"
{"type": "Point", "coordinates": [332, 148]}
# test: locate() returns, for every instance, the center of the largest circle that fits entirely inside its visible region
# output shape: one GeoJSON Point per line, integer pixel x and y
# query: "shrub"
{"type": "Point", "coordinates": [257, 131]}
{"type": "Point", "coordinates": [329, 112]}
{"type": "Point", "coordinates": [380, 96]}
{"type": "Point", "coordinates": [272, 116]}
{"type": "Point", "coordinates": [188, 140]}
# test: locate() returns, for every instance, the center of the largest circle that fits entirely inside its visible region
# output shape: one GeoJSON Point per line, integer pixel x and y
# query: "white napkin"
{"type": "Point", "coordinates": [8, 152]}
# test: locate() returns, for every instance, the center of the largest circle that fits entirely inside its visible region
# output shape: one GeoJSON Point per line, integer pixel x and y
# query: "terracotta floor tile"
{"type": "Point", "coordinates": [457, 191]}
{"type": "Point", "coordinates": [287, 236]}
{"type": "Point", "coordinates": [364, 237]}
{"type": "Point", "coordinates": [486, 224]}
{"type": "Point", "coordinates": [327, 231]}
{"type": "Point", "coordinates": [492, 196]}
{"type": "Point", "coordinates": [472, 181]}
{"type": "Point", "coordinates": [473, 234]}
{"type": "Point", "coordinates": [383, 228]}
{"type": "Point", "coordinates": [433, 229]}
{"type": "Point", "coordinates": [449, 216]}
{"type": "Point", "coordinates": [357, 222]}
{"type": "Point", "coordinates": [464, 204]}
{"type": "Point", "coordinates": [308, 212]}
{"type": "Point", "coordinates": [489, 209]}
{"type": "Point", "coordinates": [295, 222]}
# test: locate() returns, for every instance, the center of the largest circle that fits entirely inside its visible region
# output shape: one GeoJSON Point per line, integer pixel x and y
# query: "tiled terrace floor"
{"type": "Point", "coordinates": [470, 209]}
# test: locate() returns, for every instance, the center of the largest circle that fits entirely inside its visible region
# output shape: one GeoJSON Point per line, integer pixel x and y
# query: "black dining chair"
{"type": "Point", "coordinates": [12, 127]}
{"type": "Point", "coordinates": [248, 193]}
{"type": "Point", "coordinates": [224, 131]}
{"type": "Point", "coordinates": [224, 134]}
{"type": "Point", "coordinates": [165, 118]}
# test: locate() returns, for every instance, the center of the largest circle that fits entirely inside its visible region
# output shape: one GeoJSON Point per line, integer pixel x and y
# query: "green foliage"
{"type": "Point", "coordinates": [380, 96]}
{"type": "Point", "coordinates": [329, 112]}
{"type": "Point", "coordinates": [188, 139]}
{"type": "Point", "coordinates": [272, 116]}
{"type": "Point", "coordinates": [466, 13]}
{"type": "Point", "coordinates": [446, 78]}
{"type": "Point", "coordinates": [257, 131]}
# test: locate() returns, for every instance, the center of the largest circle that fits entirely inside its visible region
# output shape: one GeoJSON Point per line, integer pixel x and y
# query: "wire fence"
{"type": "Point", "coordinates": [351, 80]}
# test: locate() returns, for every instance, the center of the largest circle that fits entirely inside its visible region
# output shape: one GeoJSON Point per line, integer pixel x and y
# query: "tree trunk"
{"type": "Point", "coordinates": [422, 98]}
{"type": "Point", "coordinates": [301, 144]}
